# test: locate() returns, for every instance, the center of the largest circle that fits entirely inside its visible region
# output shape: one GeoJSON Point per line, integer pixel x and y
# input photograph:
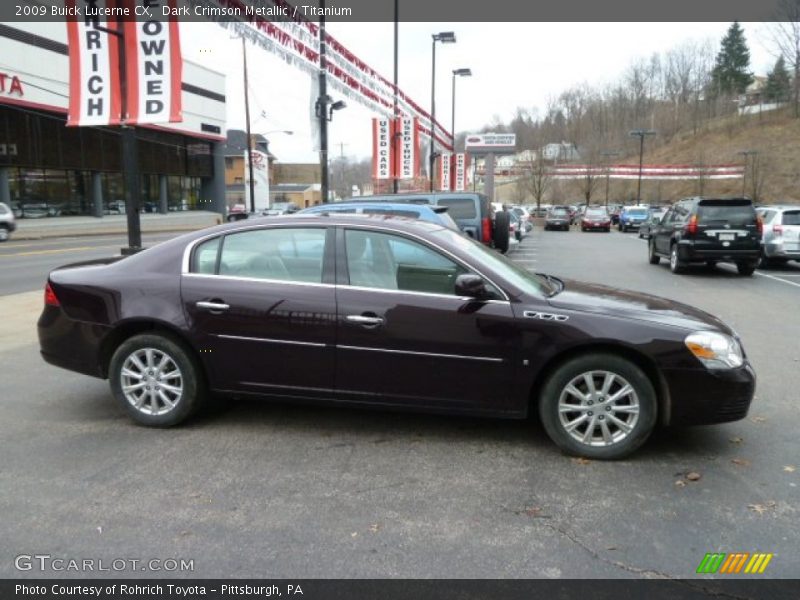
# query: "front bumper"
{"type": "Point", "coordinates": [703, 397]}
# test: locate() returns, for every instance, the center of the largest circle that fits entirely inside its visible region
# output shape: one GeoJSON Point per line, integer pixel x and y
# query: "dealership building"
{"type": "Point", "coordinates": [49, 169]}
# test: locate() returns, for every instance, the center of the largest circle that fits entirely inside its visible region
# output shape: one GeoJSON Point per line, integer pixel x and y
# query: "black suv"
{"type": "Point", "coordinates": [707, 230]}
{"type": "Point", "coordinates": [472, 212]}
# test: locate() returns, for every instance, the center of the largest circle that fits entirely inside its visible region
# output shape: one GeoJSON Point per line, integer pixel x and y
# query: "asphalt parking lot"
{"type": "Point", "coordinates": [275, 490]}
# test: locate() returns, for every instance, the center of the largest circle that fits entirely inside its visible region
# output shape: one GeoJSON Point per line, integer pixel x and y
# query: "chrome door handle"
{"type": "Point", "coordinates": [366, 321]}
{"type": "Point", "coordinates": [212, 306]}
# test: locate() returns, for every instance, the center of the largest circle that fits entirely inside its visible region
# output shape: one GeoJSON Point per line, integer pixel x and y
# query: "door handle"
{"type": "Point", "coordinates": [365, 320]}
{"type": "Point", "coordinates": [212, 306]}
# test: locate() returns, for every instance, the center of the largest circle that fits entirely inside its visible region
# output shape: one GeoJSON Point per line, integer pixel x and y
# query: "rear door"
{"type": "Point", "coordinates": [790, 230]}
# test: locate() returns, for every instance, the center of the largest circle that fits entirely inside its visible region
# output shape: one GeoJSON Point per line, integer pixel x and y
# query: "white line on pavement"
{"type": "Point", "coordinates": [778, 279]}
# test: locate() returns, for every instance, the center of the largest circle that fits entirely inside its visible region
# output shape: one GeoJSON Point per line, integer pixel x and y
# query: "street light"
{"type": "Point", "coordinates": [456, 73]}
{"type": "Point", "coordinates": [747, 154]}
{"type": "Point", "coordinates": [608, 155]}
{"type": "Point", "coordinates": [445, 37]}
{"type": "Point", "coordinates": [641, 134]}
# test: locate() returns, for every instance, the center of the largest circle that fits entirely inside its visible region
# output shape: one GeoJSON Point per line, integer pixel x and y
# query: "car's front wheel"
{"type": "Point", "coordinates": [156, 379]}
{"type": "Point", "coordinates": [598, 405]}
{"type": "Point", "coordinates": [3, 233]}
{"type": "Point", "coordinates": [746, 268]}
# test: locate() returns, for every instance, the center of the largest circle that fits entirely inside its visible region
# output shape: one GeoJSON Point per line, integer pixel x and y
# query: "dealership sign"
{"type": "Point", "coordinates": [445, 172]}
{"type": "Point", "coordinates": [407, 147]}
{"type": "Point", "coordinates": [382, 148]}
{"type": "Point", "coordinates": [153, 64]}
{"type": "Point", "coordinates": [494, 143]}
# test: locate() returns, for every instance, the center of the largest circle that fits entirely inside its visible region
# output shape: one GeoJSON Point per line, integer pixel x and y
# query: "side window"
{"type": "Point", "coordinates": [283, 254]}
{"type": "Point", "coordinates": [205, 257]}
{"type": "Point", "coordinates": [460, 208]}
{"type": "Point", "coordinates": [391, 262]}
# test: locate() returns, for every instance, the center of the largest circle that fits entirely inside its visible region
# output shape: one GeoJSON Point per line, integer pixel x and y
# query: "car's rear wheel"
{"type": "Point", "coordinates": [501, 235]}
{"type": "Point", "coordinates": [3, 233]}
{"type": "Point", "coordinates": [598, 405]}
{"type": "Point", "coordinates": [746, 268]}
{"type": "Point", "coordinates": [156, 379]}
{"type": "Point", "coordinates": [651, 252]}
{"type": "Point", "coordinates": [675, 264]}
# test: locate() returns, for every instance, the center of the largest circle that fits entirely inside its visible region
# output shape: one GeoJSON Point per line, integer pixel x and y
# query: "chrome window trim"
{"type": "Point", "coordinates": [272, 341]}
{"type": "Point", "coordinates": [259, 279]}
{"type": "Point", "coordinates": [431, 354]}
{"type": "Point", "coordinates": [425, 294]}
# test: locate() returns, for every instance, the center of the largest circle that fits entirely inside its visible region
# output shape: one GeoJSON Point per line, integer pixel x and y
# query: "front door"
{"type": "Point", "coordinates": [260, 312]}
{"type": "Point", "coordinates": [404, 337]}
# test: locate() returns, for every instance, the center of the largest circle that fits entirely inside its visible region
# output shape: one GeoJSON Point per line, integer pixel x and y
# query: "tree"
{"type": "Point", "coordinates": [536, 177]}
{"type": "Point", "coordinates": [731, 74]}
{"type": "Point", "coordinates": [786, 40]}
{"type": "Point", "coordinates": [779, 83]}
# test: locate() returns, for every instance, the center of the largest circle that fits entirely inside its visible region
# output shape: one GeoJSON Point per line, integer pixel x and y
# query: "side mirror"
{"type": "Point", "coordinates": [470, 285]}
{"type": "Point", "coordinates": [656, 220]}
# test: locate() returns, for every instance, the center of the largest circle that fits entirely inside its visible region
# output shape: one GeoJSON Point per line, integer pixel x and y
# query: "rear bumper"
{"type": "Point", "coordinates": [688, 251]}
{"type": "Point", "coordinates": [780, 251]}
{"type": "Point", "coordinates": [703, 397]}
{"type": "Point", "coordinates": [69, 344]}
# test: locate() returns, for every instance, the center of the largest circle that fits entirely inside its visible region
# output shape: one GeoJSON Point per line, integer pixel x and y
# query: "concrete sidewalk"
{"type": "Point", "coordinates": [32, 229]}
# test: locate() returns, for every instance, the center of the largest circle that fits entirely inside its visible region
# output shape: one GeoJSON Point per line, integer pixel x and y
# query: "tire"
{"type": "Point", "coordinates": [641, 235]}
{"type": "Point", "coordinates": [583, 229]}
{"type": "Point", "coordinates": [675, 265]}
{"type": "Point", "coordinates": [154, 411]}
{"type": "Point", "coordinates": [638, 408]}
{"type": "Point", "coordinates": [764, 262]}
{"type": "Point", "coordinates": [651, 252]}
{"type": "Point", "coordinates": [4, 234]}
{"type": "Point", "coordinates": [711, 264]}
{"type": "Point", "coordinates": [746, 268]}
{"type": "Point", "coordinates": [501, 235]}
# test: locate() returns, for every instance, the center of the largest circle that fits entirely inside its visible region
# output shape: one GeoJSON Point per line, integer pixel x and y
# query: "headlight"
{"type": "Point", "coordinates": [715, 350]}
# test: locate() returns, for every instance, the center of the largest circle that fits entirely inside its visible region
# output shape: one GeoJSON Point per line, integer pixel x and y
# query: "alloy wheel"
{"type": "Point", "coordinates": [598, 408]}
{"type": "Point", "coordinates": [151, 381]}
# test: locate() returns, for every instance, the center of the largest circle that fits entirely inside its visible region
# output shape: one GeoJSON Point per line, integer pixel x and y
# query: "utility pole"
{"type": "Point", "coordinates": [747, 154]}
{"type": "Point", "coordinates": [251, 175]}
{"type": "Point", "coordinates": [395, 181]}
{"type": "Point", "coordinates": [130, 160]}
{"type": "Point", "coordinates": [446, 37]}
{"type": "Point", "coordinates": [323, 106]}
{"type": "Point", "coordinates": [641, 134]}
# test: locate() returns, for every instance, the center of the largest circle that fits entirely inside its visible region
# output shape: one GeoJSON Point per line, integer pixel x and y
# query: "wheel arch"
{"type": "Point", "coordinates": [641, 360]}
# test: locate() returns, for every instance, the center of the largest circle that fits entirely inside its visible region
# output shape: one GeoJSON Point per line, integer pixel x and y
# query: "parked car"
{"type": "Point", "coordinates": [473, 213]}
{"type": "Point", "coordinates": [557, 218]}
{"type": "Point", "coordinates": [433, 321]}
{"type": "Point", "coordinates": [596, 219]}
{"type": "Point", "coordinates": [424, 212]}
{"type": "Point", "coordinates": [237, 212]}
{"type": "Point", "coordinates": [614, 210]}
{"type": "Point", "coordinates": [708, 230]}
{"type": "Point", "coordinates": [780, 241]}
{"type": "Point", "coordinates": [654, 216]}
{"type": "Point", "coordinates": [524, 217]}
{"type": "Point", "coordinates": [631, 217]}
{"type": "Point", "coordinates": [8, 223]}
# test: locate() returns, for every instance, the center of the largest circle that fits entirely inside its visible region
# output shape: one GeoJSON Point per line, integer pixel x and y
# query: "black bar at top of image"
{"type": "Point", "coordinates": [443, 11]}
{"type": "Point", "coordinates": [400, 589]}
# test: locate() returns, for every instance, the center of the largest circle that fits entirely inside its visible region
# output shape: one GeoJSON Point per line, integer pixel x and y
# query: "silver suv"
{"type": "Point", "coordinates": [7, 222]}
{"type": "Point", "coordinates": [781, 239]}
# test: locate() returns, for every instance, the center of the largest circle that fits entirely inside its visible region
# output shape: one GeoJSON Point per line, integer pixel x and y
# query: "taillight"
{"type": "Point", "coordinates": [691, 226]}
{"type": "Point", "coordinates": [776, 229]}
{"type": "Point", "coordinates": [487, 230]}
{"type": "Point", "coordinates": [50, 298]}
{"type": "Point", "coordinates": [759, 226]}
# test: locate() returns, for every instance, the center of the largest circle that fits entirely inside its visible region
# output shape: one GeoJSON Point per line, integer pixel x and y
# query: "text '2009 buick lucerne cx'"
{"type": "Point", "coordinates": [295, 307]}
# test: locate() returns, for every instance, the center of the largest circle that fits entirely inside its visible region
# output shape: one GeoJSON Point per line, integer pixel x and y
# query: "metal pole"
{"type": "Point", "coordinates": [323, 106]}
{"type": "Point", "coordinates": [453, 116]}
{"type": "Point", "coordinates": [433, 111]}
{"type": "Point", "coordinates": [395, 181]}
{"type": "Point", "coordinates": [744, 174]}
{"type": "Point", "coordinates": [130, 164]}
{"type": "Point", "coordinates": [641, 155]}
{"type": "Point", "coordinates": [608, 173]}
{"type": "Point", "coordinates": [250, 174]}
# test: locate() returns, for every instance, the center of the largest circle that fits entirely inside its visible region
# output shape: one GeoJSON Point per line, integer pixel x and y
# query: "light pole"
{"type": "Point", "coordinates": [608, 155]}
{"type": "Point", "coordinates": [445, 37]}
{"type": "Point", "coordinates": [456, 73]}
{"type": "Point", "coordinates": [395, 181]}
{"type": "Point", "coordinates": [641, 134]}
{"type": "Point", "coordinates": [747, 154]}
{"type": "Point", "coordinates": [251, 181]}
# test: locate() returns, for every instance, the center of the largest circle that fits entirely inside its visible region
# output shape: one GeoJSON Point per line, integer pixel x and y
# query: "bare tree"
{"type": "Point", "coordinates": [786, 40]}
{"type": "Point", "coordinates": [759, 165]}
{"type": "Point", "coordinates": [536, 178]}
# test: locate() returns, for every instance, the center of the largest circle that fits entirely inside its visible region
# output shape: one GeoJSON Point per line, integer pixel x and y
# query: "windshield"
{"type": "Point", "coordinates": [489, 260]}
{"type": "Point", "coordinates": [558, 212]}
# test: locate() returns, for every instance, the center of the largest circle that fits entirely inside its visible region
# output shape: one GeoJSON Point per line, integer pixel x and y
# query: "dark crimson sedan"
{"type": "Point", "coordinates": [384, 311]}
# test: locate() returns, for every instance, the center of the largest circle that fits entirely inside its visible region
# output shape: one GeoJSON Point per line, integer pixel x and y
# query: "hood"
{"type": "Point", "coordinates": [596, 298]}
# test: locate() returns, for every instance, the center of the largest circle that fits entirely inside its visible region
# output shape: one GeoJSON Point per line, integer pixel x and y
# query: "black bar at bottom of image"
{"type": "Point", "coordinates": [400, 589]}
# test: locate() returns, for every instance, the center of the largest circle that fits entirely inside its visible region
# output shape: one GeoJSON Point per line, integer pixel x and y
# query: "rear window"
{"type": "Point", "coordinates": [733, 212]}
{"type": "Point", "coordinates": [639, 212]}
{"type": "Point", "coordinates": [791, 217]}
{"type": "Point", "coordinates": [460, 208]}
{"type": "Point", "coordinates": [559, 212]}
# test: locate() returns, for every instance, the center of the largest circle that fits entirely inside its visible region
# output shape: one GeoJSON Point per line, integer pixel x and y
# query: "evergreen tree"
{"type": "Point", "coordinates": [779, 83]}
{"type": "Point", "coordinates": [731, 74]}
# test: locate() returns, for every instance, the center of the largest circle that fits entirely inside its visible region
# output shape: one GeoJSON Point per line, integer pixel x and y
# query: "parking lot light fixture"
{"type": "Point", "coordinates": [456, 73]}
{"type": "Point", "coordinates": [641, 134]}
{"type": "Point", "coordinates": [445, 37]}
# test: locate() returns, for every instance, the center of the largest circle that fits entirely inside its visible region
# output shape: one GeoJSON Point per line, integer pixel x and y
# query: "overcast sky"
{"type": "Point", "coordinates": [513, 64]}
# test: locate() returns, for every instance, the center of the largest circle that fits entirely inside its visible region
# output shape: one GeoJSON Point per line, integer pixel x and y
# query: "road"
{"type": "Point", "coordinates": [275, 490]}
{"type": "Point", "coordinates": [24, 264]}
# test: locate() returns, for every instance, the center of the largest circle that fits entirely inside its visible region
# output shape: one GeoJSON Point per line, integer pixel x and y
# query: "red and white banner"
{"type": "Point", "coordinates": [382, 148]}
{"type": "Point", "coordinates": [94, 83]}
{"type": "Point", "coordinates": [445, 171]}
{"type": "Point", "coordinates": [260, 180]}
{"type": "Point", "coordinates": [153, 65]}
{"type": "Point", "coordinates": [648, 171]}
{"type": "Point", "coordinates": [460, 165]}
{"type": "Point", "coordinates": [407, 147]}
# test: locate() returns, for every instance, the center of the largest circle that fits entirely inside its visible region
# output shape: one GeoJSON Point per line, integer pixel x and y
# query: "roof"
{"type": "Point", "coordinates": [236, 143]}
